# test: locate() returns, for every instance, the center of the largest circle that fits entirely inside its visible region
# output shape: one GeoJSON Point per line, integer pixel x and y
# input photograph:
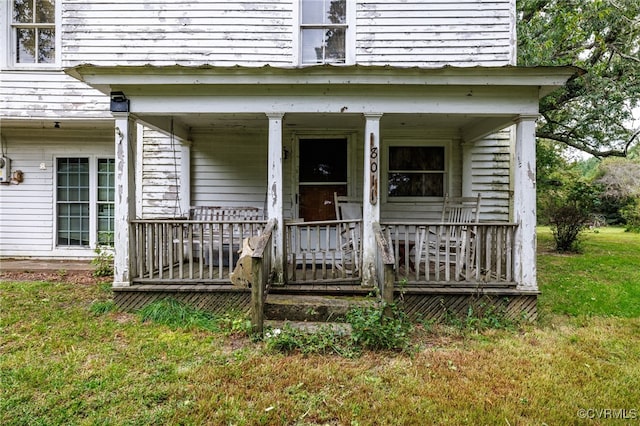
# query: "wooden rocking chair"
{"type": "Point", "coordinates": [452, 243]}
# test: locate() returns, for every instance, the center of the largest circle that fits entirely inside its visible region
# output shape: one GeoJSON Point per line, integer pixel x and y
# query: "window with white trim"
{"type": "Point", "coordinates": [85, 196]}
{"type": "Point", "coordinates": [323, 31]}
{"type": "Point", "coordinates": [33, 31]}
{"type": "Point", "coordinates": [416, 172]}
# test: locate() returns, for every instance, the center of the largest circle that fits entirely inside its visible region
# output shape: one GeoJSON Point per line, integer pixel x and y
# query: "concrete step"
{"type": "Point", "coordinates": [312, 308]}
{"type": "Point", "coordinates": [311, 327]}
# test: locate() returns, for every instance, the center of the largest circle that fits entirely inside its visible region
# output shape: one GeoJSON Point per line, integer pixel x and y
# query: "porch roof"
{"type": "Point", "coordinates": [118, 78]}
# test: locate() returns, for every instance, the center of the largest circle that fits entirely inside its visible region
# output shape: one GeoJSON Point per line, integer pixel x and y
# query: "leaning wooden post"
{"type": "Point", "coordinates": [257, 296]}
{"type": "Point", "coordinates": [388, 263]}
{"type": "Point", "coordinates": [260, 275]}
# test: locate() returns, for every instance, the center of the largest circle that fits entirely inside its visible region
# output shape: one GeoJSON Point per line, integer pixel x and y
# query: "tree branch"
{"type": "Point", "coordinates": [584, 148]}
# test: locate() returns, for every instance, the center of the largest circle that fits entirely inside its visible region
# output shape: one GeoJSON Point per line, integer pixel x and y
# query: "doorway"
{"type": "Point", "coordinates": [322, 170]}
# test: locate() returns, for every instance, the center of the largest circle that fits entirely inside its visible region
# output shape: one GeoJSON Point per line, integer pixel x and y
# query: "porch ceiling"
{"type": "Point", "coordinates": [469, 126]}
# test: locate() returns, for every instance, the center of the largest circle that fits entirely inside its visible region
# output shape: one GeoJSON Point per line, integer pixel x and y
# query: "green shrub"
{"type": "Point", "coordinates": [631, 214]}
{"type": "Point", "coordinates": [372, 329]}
{"type": "Point", "coordinates": [103, 262]}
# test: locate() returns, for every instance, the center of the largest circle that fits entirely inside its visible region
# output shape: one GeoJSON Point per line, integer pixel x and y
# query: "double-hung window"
{"type": "Point", "coordinates": [33, 31]}
{"type": "Point", "coordinates": [323, 31]}
{"type": "Point", "coordinates": [85, 201]}
{"type": "Point", "coordinates": [416, 172]}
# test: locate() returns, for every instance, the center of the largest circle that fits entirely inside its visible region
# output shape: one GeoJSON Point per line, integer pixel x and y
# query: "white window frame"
{"type": "Point", "coordinates": [93, 201]}
{"type": "Point", "coordinates": [445, 143]}
{"type": "Point", "coordinates": [8, 40]}
{"type": "Point", "coordinates": [350, 35]}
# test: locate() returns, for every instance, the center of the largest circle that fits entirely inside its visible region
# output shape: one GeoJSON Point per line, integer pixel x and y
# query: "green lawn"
{"type": "Point", "coordinates": [63, 363]}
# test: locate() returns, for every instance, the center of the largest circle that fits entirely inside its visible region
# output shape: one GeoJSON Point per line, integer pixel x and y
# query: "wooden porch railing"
{"type": "Point", "coordinates": [187, 251]}
{"type": "Point", "coordinates": [423, 256]}
{"type": "Point", "coordinates": [323, 250]}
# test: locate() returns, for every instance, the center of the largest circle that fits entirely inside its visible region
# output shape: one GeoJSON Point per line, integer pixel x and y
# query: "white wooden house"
{"type": "Point", "coordinates": [277, 105]}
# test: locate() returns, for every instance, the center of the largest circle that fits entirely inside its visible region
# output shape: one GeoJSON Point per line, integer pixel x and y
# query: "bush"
{"type": "Point", "coordinates": [103, 262]}
{"type": "Point", "coordinates": [567, 222]}
{"type": "Point", "coordinates": [570, 211]}
{"type": "Point", "coordinates": [631, 215]}
{"type": "Point", "coordinates": [372, 329]}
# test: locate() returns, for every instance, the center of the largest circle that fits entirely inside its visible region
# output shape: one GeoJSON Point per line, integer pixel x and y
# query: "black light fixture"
{"type": "Point", "coordinates": [119, 102]}
{"type": "Point", "coordinates": [56, 125]}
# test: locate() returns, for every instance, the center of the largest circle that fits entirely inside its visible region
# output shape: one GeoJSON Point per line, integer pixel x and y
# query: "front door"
{"type": "Point", "coordinates": [322, 171]}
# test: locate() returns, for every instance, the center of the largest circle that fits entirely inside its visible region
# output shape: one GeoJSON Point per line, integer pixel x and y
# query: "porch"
{"type": "Point", "coordinates": [171, 260]}
{"type": "Point", "coordinates": [398, 140]}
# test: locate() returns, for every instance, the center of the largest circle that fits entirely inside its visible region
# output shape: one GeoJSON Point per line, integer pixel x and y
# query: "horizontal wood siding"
{"type": "Point", "coordinates": [253, 33]}
{"type": "Point", "coordinates": [435, 33]}
{"type": "Point", "coordinates": [49, 95]}
{"type": "Point", "coordinates": [229, 168]}
{"type": "Point", "coordinates": [27, 210]}
{"type": "Point", "coordinates": [491, 162]}
{"type": "Point", "coordinates": [161, 164]}
{"type": "Point", "coordinates": [186, 32]}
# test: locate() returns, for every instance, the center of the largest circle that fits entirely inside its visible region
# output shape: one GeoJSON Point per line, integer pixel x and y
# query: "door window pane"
{"type": "Point", "coordinates": [323, 160]}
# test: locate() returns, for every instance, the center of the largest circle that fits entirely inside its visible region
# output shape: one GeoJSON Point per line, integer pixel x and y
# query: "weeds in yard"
{"type": "Point", "coordinates": [370, 330]}
{"type": "Point", "coordinates": [176, 314]}
{"type": "Point", "coordinates": [102, 307]}
{"type": "Point", "coordinates": [481, 317]}
{"type": "Point", "coordinates": [103, 262]}
{"type": "Point", "coordinates": [323, 340]}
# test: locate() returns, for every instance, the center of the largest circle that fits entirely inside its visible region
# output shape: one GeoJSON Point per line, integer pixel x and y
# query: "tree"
{"type": "Point", "coordinates": [593, 111]}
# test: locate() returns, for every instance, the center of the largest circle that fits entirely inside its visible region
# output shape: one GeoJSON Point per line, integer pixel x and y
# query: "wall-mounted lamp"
{"type": "Point", "coordinates": [285, 153]}
{"type": "Point", "coordinates": [56, 125]}
{"type": "Point", "coordinates": [119, 102]}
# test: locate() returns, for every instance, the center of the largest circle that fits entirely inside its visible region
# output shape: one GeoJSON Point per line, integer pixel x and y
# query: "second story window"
{"type": "Point", "coordinates": [323, 30]}
{"type": "Point", "coordinates": [34, 31]}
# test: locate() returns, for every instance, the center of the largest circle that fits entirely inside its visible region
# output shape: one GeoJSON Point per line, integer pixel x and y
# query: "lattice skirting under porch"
{"type": "Point", "coordinates": [208, 299]}
{"type": "Point", "coordinates": [439, 307]}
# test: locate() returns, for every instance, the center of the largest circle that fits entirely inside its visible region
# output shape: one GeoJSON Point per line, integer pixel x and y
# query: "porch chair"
{"type": "Point", "coordinates": [447, 245]}
{"type": "Point", "coordinates": [348, 238]}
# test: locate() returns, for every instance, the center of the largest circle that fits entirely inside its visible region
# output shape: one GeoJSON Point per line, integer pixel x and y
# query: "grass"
{"type": "Point", "coordinates": [67, 357]}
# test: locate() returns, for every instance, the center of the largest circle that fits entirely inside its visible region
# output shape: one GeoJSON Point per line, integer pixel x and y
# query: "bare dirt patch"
{"type": "Point", "coordinates": [73, 277]}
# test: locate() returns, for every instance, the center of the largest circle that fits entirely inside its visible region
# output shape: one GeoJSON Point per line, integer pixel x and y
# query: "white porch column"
{"type": "Point", "coordinates": [467, 169]}
{"type": "Point", "coordinates": [185, 177]}
{"type": "Point", "coordinates": [125, 196]}
{"type": "Point", "coordinates": [371, 197]}
{"type": "Point", "coordinates": [275, 192]}
{"type": "Point", "coordinates": [524, 202]}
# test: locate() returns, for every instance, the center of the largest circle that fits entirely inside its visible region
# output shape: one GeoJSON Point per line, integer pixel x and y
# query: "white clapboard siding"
{"type": "Point", "coordinates": [491, 162]}
{"type": "Point", "coordinates": [186, 32]}
{"type": "Point", "coordinates": [49, 95]}
{"type": "Point", "coordinates": [161, 164]}
{"type": "Point", "coordinates": [27, 210]}
{"type": "Point", "coordinates": [229, 168]}
{"type": "Point", "coordinates": [435, 33]}
{"type": "Point", "coordinates": [254, 33]}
